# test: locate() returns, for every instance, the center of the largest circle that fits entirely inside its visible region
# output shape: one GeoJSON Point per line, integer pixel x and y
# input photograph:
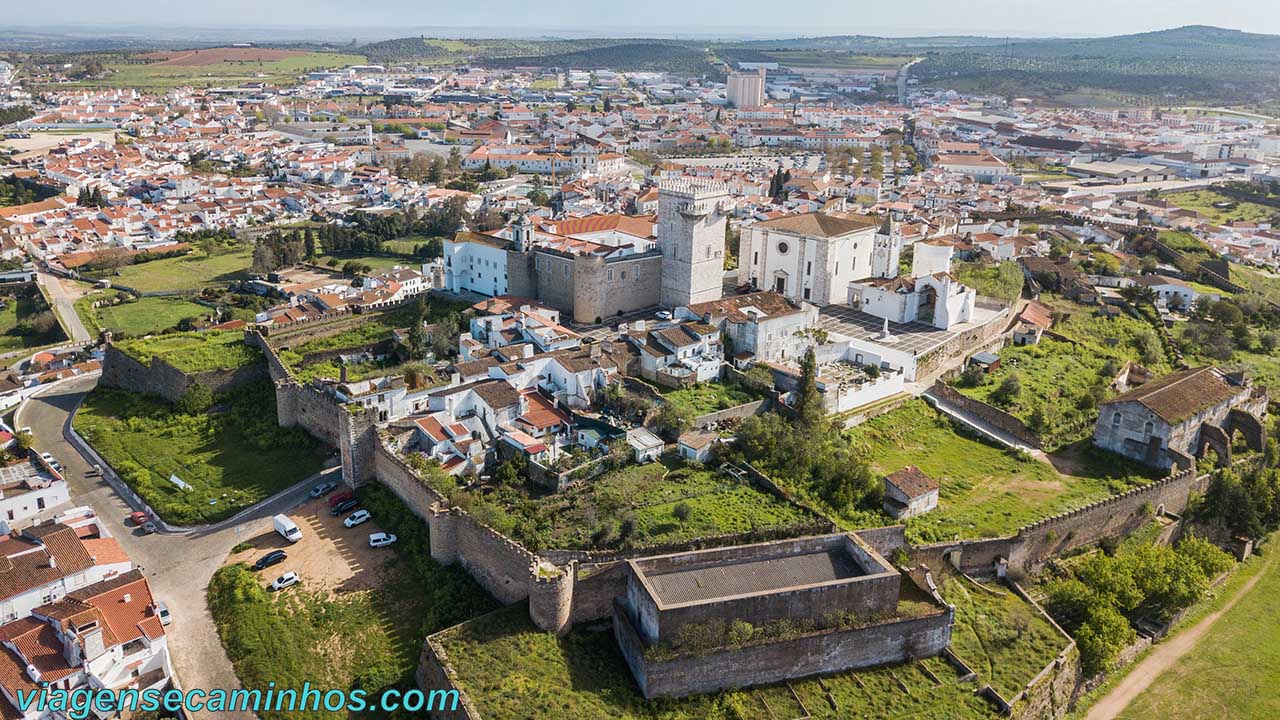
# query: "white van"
{"type": "Point", "coordinates": [287, 529]}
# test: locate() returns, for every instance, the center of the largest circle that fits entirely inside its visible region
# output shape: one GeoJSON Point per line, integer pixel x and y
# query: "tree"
{"type": "Point", "coordinates": [1101, 638]}
{"type": "Point", "coordinates": [195, 400]}
{"type": "Point", "coordinates": [1008, 390]}
{"type": "Point", "coordinates": [682, 511]}
{"type": "Point", "coordinates": [808, 401]}
{"type": "Point", "coordinates": [417, 339]}
{"type": "Point", "coordinates": [673, 419]}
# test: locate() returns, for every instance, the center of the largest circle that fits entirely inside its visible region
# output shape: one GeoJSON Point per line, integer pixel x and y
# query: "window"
{"type": "Point", "coordinates": [782, 248]}
{"type": "Point", "coordinates": [610, 275]}
{"type": "Point", "coordinates": [806, 293]}
{"type": "Point", "coordinates": [1149, 428]}
{"type": "Point", "coordinates": [1115, 419]}
{"type": "Point", "coordinates": [808, 268]}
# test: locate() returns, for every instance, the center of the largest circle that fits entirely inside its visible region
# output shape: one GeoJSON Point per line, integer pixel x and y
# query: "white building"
{"type": "Point", "coordinates": [476, 262]}
{"type": "Point", "coordinates": [746, 89]}
{"type": "Point", "coordinates": [809, 257]}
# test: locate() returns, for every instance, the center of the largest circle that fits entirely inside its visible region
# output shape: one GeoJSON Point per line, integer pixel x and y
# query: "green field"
{"type": "Point", "coordinates": [513, 671]}
{"type": "Point", "coordinates": [1203, 201]}
{"type": "Point", "coordinates": [194, 352]}
{"type": "Point", "coordinates": [153, 76]}
{"type": "Point", "coordinates": [1234, 670]}
{"type": "Point", "coordinates": [367, 639]}
{"type": "Point", "coordinates": [999, 635]}
{"type": "Point", "coordinates": [985, 491]}
{"type": "Point", "coordinates": [708, 397]}
{"type": "Point", "coordinates": [840, 60]}
{"type": "Point", "coordinates": [233, 456]}
{"type": "Point", "coordinates": [590, 514]}
{"type": "Point", "coordinates": [27, 322]}
{"type": "Point", "coordinates": [189, 272]}
{"type": "Point", "coordinates": [141, 317]}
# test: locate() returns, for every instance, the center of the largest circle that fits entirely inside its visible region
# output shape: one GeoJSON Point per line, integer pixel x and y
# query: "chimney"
{"type": "Point", "coordinates": [53, 562]}
{"type": "Point", "coordinates": [342, 373]}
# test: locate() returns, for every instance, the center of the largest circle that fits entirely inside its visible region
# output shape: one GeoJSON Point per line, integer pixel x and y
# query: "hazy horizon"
{"type": "Point", "coordinates": [381, 19]}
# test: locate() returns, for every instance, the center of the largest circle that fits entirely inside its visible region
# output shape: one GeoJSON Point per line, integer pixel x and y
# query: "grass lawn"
{"type": "Point", "coordinates": [233, 456]}
{"type": "Point", "coordinates": [142, 317]}
{"type": "Point", "coordinates": [1202, 201]}
{"type": "Point", "coordinates": [999, 635]}
{"type": "Point", "coordinates": [367, 639]}
{"type": "Point", "coordinates": [195, 271]}
{"type": "Point", "coordinates": [373, 328]}
{"type": "Point", "coordinates": [379, 263]}
{"type": "Point", "coordinates": [984, 491]}
{"type": "Point", "coordinates": [708, 397]}
{"type": "Point", "coordinates": [194, 352]}
{"type": "Point", "coordinates": [1057, 385]}
{"type": "Point", "coordinates": [27, 312]}
{"type": "Point", "coordinates": [1234, 670]}
{"type": "Point", "coordinates": [649, 493]}
{"type": "Point", "coordinates": [513, 671]}
{"type": "Point", "coordinates": [1265, 284]}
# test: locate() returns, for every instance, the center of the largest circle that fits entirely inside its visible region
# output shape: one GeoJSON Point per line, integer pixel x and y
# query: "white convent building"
{"type": "Point", "coordinates": [931, 295]}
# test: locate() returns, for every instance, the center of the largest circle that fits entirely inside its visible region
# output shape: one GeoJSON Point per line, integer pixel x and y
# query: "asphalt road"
{"type": "Point", "coordinates": [177, 566]}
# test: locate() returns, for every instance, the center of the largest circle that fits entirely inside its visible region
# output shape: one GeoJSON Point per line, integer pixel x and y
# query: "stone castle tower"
{"type": "Point", "coordinates": [885, 251]}
{"type": "Point", "coordinates": [691, 226]}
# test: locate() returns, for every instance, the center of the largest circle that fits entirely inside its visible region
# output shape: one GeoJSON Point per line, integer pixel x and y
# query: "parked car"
{"type": "Point", "coordinates": [324, 488]}
{"type": "Point", "coordinates": [272, 558]}
{"type": "Point", "coordinates": [139, 518]}
{"type": "Point", "coordinates": [162, 612]}
{"type": "Point", "coordinates": [287, 528]}
{"type": "Point", "coordinates": [663, 314]}
{"type": "Point", "coordinates": [381, 539]}
{"type": "Point", "coordinates": [344, 506]}
{"type": "Point", "coordinates": [148, 528]}
{"type": "Point", "coordinates": [49, 459]}
{"type": "Point", "coordinates": [358, 517]}
{"type": "Point", "coordinates": [286, 580]}
{"type": "Point", "coordinates": [339, 498]}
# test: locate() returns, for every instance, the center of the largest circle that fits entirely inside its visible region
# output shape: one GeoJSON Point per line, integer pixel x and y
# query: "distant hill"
{"type": "Point", "coordinates": [629, 56]}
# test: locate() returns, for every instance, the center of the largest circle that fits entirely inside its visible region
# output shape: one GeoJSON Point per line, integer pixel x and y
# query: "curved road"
{"type": "Point", "coordinates": [177, 566]}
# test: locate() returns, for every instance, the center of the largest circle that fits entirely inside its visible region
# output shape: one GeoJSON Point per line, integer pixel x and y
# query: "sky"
{"type": "Point", "coordinates": [711, 18]}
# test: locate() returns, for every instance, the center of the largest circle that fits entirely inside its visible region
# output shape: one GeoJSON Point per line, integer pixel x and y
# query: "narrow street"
{"type": "Point", "coordinates": [64, 307]}
{"type": "Point", "coordinates": [178, 566]}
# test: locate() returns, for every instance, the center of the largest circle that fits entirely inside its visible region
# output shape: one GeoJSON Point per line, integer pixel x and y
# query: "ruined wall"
{"type": "Point", "coordinates": [160, 378]}
{"type": "Point", "coordinates": [738, 411]}
{"type": "Point", "coordinates": [594, 590]}
{"type": "Point", "coordinates": [769, 662]}
{"type": "Point", "coordinates": [435, 673]}
{"type": "Point", "coordinates": [993, 416]}
{"type": "Point", "coordinates": [310, 409]}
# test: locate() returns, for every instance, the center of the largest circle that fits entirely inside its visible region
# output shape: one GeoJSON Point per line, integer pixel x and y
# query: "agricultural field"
{"type": "Point", "coordinates": [218, 66]}
{"type": "Point", "coordinates": [985, 491]}
{"type": "Point", "coordinates": [1220, 209]}
{"type": "Point", "coordinates": [143, 316]}
{"type": "Point", "coordinates": [194, 352]}
{"type": "Point", "coordinates": [231, 456]}
{"type": "Point", "coordinates": [365, 633]}
{"type": "Point", "coordinates": [594, 514]}
{"type": "Point", "coordinates": [195, 271]}
{"type": "Point", "coordinates": [511, 671]}
{"type": "Point", "coordinates": [839, 60]}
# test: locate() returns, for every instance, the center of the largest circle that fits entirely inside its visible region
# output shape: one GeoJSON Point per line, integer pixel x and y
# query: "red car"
{"type": "Point", "coordinates": [339, 498]}
{"type": "Point", "coordinates": [139, 518]}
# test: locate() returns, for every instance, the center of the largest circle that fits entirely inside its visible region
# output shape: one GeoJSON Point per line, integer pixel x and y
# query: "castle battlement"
{"type": "Point", "coordinates": [692, 189]}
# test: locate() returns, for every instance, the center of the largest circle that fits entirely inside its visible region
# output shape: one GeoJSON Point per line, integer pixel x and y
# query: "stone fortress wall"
{"type": "Point", "coordinates": [160, 378]}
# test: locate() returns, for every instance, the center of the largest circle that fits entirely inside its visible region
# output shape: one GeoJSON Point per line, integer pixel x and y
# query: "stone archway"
{"type": "Point", "coordinates": [1249, 426]}
{"type": "Point", "coordinates": [1212, 436]}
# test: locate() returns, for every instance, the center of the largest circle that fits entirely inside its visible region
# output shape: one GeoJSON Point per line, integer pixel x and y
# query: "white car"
{"type": "Point", "coordinates": [356, 518]}
{"type": "Point", "coordinates": [381, 539]}
{"type": "Point", "coordinates": [49, 459]}
{"type": "Point", "coordinates": [663, 314]}
{"type": "Point", "coordinates": [286, 580]}
{"type": "Point", "coordinates": [162, 612]}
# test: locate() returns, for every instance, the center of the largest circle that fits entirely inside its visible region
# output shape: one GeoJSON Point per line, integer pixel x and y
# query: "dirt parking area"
{"type": "Point", "coordinates": [330, 556]}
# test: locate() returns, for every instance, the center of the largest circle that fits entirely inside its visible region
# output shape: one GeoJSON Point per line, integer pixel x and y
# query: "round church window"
{"type": "Point", "coordinates": [782, 248]}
